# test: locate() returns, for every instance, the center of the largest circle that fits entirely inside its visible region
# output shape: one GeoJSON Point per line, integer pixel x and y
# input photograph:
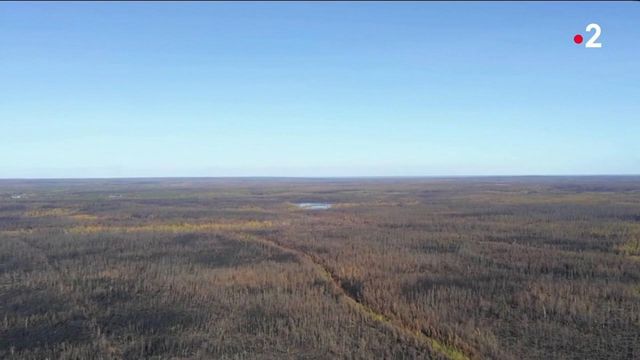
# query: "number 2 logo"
{"type": "Point", "coordinates": [591, 43]}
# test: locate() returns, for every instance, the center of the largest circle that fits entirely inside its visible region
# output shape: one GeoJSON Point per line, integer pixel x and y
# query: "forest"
{"type": "Point", "coordinates": [383, 268]}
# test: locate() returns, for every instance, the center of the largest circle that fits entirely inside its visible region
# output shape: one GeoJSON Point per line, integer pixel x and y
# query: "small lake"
{"type": "Point", "coordinates": [313, 206]}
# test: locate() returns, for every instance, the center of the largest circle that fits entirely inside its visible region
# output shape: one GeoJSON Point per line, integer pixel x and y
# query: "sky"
{"type": "Point", "coordinates": [148, 89]}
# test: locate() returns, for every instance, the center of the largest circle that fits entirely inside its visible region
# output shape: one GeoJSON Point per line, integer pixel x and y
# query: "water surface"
{"type": "Point", "coordinates": [314, 206]}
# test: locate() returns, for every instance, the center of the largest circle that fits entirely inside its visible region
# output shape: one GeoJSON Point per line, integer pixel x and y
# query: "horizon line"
{"type": "Point", "coordinates": [247, 177]}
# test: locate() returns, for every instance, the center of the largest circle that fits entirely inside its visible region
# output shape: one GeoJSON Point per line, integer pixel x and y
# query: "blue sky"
{"type": "Point", "coordinates": [317, 89]}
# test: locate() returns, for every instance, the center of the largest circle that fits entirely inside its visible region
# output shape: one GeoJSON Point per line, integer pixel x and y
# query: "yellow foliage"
{"type": "Point", "coordinates": [60, 212]}
{"type": "Point", "coordinates": [631, 247]}
{"type": "Point", "coordinates": [345, 205]}
{"type": "Point", "coordinates": [16, 232]}
{"type": "Point", "coordinates": [84, 217]}
{"type": "Point", "coordinates": [174, 228]}
{"type": "Point", "coordinates": [49, 212]}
